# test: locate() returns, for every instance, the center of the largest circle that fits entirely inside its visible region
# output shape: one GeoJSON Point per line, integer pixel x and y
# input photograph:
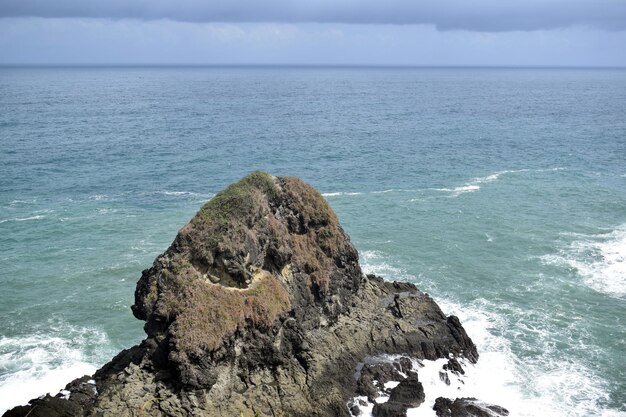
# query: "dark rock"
{"type": "Point", "coordinates": [47, 406]}
{"type": "Point", "coordinates": [443, 376]}
{"type": "Point", "coordinates": [374, 377]}
{"type": "Point", "coordinates": [403, 364]}
{"type": "Point", "coordinates": [355, 410]}
{"type": "Point", "coordinates": [454, 366]}
{"type": "Point", "coordinates": [389, 410]}
{"type": "Point", "coordinates": [82, 391]}
{"type": "Point", "coordinates": [443, 407]}
{"type": "Point", "coordinates": [467, 407]}
{"type": "Point", "coordinates": [260, 307]}
{"type": "Point", "coordinates": [409, 393]}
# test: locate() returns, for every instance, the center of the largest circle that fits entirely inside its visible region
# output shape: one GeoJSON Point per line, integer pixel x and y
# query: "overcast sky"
{"type": "Point", "coordinates": [374, 32]}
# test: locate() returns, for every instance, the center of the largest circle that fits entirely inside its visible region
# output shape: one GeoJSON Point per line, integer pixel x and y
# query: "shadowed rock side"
{"type": "Point", "coordinates": [259, 307]}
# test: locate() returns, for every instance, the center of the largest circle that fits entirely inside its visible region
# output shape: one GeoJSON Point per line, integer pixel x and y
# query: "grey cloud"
{"type": "Point", "coordinates": [474, 15]}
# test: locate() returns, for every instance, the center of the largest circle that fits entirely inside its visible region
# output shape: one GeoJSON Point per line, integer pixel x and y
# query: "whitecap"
{"type": "Point", "coordinates": [469, 188]}
{"type": "Point", "coordinates": [392, 190]}
{"type": "Point", "coordinates": [43, 363]}
{"type": "Point", "coordinates": [493, 177]}
{"type": "Point", "coordinates": [466, 189]}
{"type": "Point", "coordinates": [20, 387]}
{"type": "Point", "coordinates": [600, 260]}
{"type": "Point", "coordinates": [23, 219]}
{"type": "Point", "coordinates": [473, 185]}
{"type": "Point", "coordinates": [15, 202]}
{"type": "Point", "coordinates": [98, 197]}
{"type": "Point", "coordinates": [537, 387]}
{"type": "Point", "coordinates": [374, 262]}
{"type": "Point", "coordinates": [348, 193]}
{"type": "Point", "coordinates": [340, 193]}
{"type": "Point", "coordinates": [183, 194]}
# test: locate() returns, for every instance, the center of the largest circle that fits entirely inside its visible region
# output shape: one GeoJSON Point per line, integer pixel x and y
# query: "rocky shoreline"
{"type": "Point", "coordinates": [260, 308]}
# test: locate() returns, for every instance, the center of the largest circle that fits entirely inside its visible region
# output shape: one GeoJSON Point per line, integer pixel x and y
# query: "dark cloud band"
{"type": "Point", "coordinates": [475, 15]}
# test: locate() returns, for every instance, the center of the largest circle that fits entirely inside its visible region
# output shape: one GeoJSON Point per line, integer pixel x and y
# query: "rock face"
{"type": "Point", "coordinates": [467, 407]}
{"type": "Point", "coordinates": [260, 308]}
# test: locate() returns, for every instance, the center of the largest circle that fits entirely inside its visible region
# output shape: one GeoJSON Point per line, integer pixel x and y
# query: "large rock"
{"type": "Point", "coordinates": [467, 407]}
{"type": "Point", "coordinates": [260, 307]}
{"type": "Point", "coordinates": [409, 392]}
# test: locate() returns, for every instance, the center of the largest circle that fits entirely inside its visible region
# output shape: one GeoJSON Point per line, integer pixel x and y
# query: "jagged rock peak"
{"type": "Point", "coordinates": [260, 249]}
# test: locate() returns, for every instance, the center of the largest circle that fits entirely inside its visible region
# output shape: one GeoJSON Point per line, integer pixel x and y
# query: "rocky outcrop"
{"type": "Point", "coordinates": [260, 308]}
{"type": "Point", "coordinates": [467, 407]}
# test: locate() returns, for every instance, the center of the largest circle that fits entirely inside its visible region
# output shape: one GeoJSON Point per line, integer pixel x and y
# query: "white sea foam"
{"type": "Point", "coordinates": [22, 386]}
{"type": "Point", "coordinates": [348, 193]}
{"type": "Point", "coordinates": [537, 387]}
{"type": "Point", "coordinates": [500, 378]}
{"type": "Point", "coordinates": [392, 190]}
{"type": "Point", "coordinates": [599, 259]}
{"type": "Point", "coordinates": [469, 188]}
{"type": "Point", "coordinates": [373, 262]}
{"type": "Point", "coordinates": [497, 175]}
{"type": "Point", "coordinates": [15, 202]}
{"type": "Point", "coordinates": [35, 365]}
{"type": "Point", "coordinates": [340, 193]}
{"type": "Point", "coordinates": [106, 210]}
{"type": "Point", "coordinates": [474, 184]}
{"type": "Point", "coordinates": [99, 197]}
{"type": "Point", "coordinates": [23, 219]}
{"type": "Point", "coordinates": [184, 194]}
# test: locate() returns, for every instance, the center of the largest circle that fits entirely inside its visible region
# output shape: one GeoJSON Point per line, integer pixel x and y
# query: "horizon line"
{"type": "Point", "coordinates": [296, 65]}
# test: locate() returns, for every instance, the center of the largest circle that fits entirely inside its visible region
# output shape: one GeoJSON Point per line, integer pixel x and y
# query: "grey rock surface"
{"type": "Point", "coordinates": [467, 407]}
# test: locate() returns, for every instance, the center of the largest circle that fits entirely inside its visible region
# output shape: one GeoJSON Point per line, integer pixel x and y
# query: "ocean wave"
{"type": "Point", "coordinates": [393, 190]}
{"type": "Point", "coordinates": [600, 259]}
{"type": "Point", "coordinates": [16, 202]}
{"type": "Point", "coordinates": [460, 190]}
{"type": "Point", "coordinates": [373, 262]}
{"type": "Point", "coordinates": [496, 175]}
{"type": "Point", "coordinates": [474, 184]}
{"type": "Point", "coordinates": [99, 197]}
{"type": "Point", "coordinates": [183, 194]}
{"type": "Point", "coordinates": [23, 219]}
{"type": "Point", "coordinates": [106, 210]}
{"type": "Point", "coordinates": [348, 193]}
{"type": "Point", "coordinates": [561, 389]}
{"type": "Point", "coordinates": [43, 363]}
{"type": "Point", "coordinates": [542, 386]}
{"type": "Point", "coordinates": [339, 193]}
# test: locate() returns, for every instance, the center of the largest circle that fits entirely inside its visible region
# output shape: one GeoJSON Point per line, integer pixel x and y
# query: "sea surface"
{"type": "Point", "coordinates": [500, 192]}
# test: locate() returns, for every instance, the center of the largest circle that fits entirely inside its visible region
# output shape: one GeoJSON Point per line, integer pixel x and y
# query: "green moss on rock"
{"type": "Point", "coordinates": [237, 201]}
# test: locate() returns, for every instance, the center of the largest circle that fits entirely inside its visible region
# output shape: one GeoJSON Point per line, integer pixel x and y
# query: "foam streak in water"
{"type": "Point", "coordinates": [474, 184]}
{"type": "Point", "coordinates": [599, 259]}
{"type": "Point", "coordinates": [23, 219]}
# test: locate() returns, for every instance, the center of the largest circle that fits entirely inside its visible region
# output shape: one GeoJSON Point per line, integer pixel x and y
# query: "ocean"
{"type": "Point", "coordinates": [499, 191]}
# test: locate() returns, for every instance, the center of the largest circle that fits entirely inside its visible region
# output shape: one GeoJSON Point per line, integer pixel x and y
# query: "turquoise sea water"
{"type": "Point", "coordinates": [501, 192]}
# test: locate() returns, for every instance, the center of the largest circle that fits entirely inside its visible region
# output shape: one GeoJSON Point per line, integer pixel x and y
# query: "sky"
{"type": "Point", "coordinates": [315, 32]}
